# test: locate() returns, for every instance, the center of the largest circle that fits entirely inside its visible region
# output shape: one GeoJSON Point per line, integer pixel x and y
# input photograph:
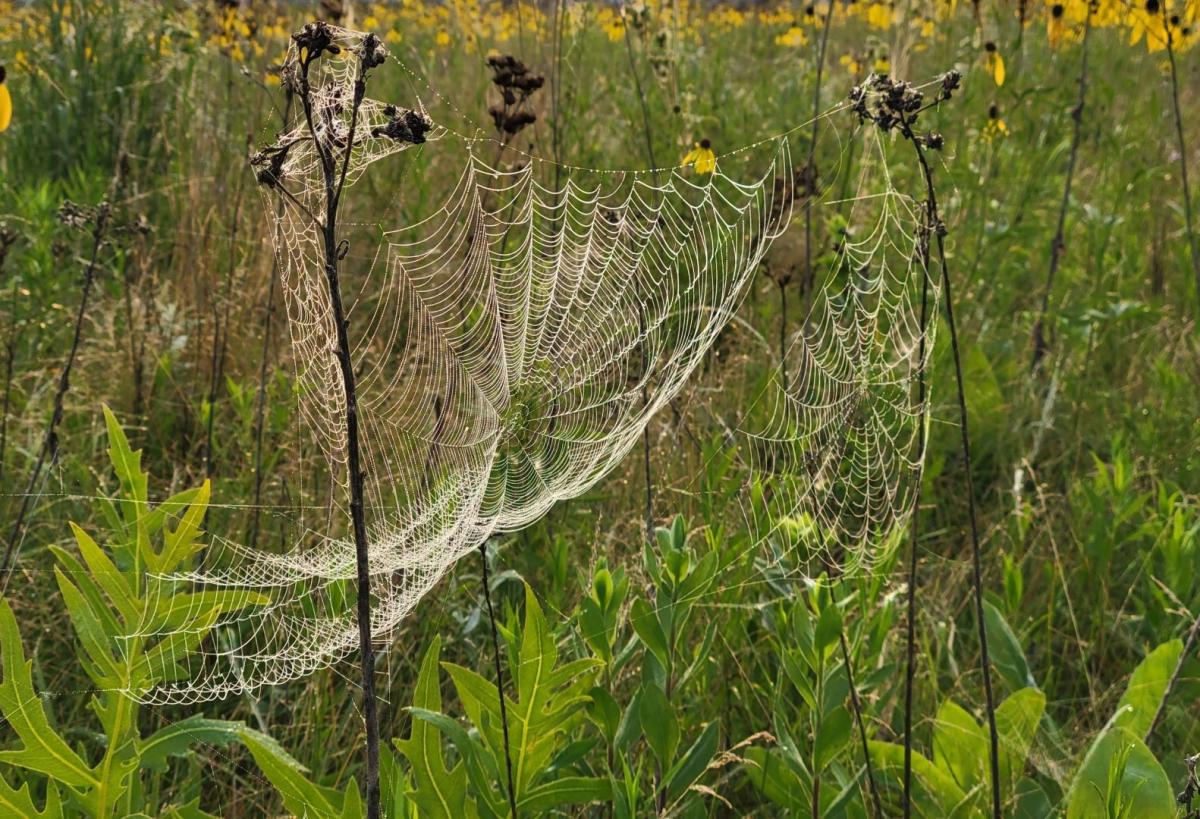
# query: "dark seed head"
{"type": "Point", "coordinates": [705, 144]}
{"type": "Point", "coordinates": [989, 47]}
{"type": "Point", "coordinates": [1056, 10]}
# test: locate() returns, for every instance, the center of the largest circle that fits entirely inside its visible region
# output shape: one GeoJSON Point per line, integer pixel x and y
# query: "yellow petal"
{"type": "Point", "coordinates": [998, 68]}
{"type": "Point", "coordinates": [5, 107]}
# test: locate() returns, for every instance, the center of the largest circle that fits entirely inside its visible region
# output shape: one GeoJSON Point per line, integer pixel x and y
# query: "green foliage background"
{"type": "Point", "coordinates": [689, 676]}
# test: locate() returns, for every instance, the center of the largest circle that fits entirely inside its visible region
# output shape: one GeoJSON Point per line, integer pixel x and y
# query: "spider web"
{"type": "Point", "coordinates": [510, 348]}
{"type": "Point", "coordinates": [840, 437]}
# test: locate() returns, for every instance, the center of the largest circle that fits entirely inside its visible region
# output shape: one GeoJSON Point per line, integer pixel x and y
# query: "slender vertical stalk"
{"type": "Point", "coordinates": [856, 710]}
{"type": "Point", "coordinates": [49, 448]}
{"type": "Point", "coordinates": [7, 239]}
{"type": "Point", "coordinates": [1057, 244]}
{"type": "Point", "coordinates": [260, 409]}
{"type": "Point", "coordinates": [810, 172]}
{"type": "Point", "coordinates": [649, 135]}
{"type": "Point", "coordinates": [1193, 239]}
{"type": "Point", "coordinates": [783, 373]}
{"type": "Point", "coordinates": [911, 625]}
{"type": "Point", "coordinates": [334, 183]}
{"type": "Point", "coordinates": [487, 593]}
{"type": "Point", "coordinates": [637, 87]}
{"type": "Point", "coordinates": [938, 231]}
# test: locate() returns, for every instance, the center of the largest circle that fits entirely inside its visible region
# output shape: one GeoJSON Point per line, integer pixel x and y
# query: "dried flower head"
{"type": "Point", "coordinates": [403, 125]}
{"type": "Point", "coordinates": [516, 84]}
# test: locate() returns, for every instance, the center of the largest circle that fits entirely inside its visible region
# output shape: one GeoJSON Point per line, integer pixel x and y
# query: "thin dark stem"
{"type": "Point", "coordinates": [648, 475]}
{"type": "Point", "coordinates": [487, 594]}
{"type": "Point", "coordinates": [49, 448]}
{"type": "Point", "coordinates": [856, 710]}
{"type": "Point", "coordinates": [260, 409]}
{"type": "Point", "coordinates": [936, 228]}
{"type": "Point", "coordinates": [1057, 244]}
{"type": "Point", "coordinates": [9, 355]}
{"type": "Point", "coordinates": [10, 351]}
{"type": "Point", "coordinates": [1193, 239]}
{"type": "Point", "coordinates": [783, 373]}
{"type": "Point", "coordinates": [637, 86]}
{"type": "Point", "coordinates": [911, 637]}
{"type": "Point", "coordinates": [333, 189]}
{"type": "Point", "coordinates": [221, 331]}
{"type": "Point", "coordinates": [810, 171]}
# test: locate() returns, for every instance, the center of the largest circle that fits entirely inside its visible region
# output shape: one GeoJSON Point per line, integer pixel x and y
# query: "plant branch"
{"type": "Point", "coordinates": [1057, 244]}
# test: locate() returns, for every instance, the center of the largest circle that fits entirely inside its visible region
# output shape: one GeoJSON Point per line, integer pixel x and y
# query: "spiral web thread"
{"type": "Point", "coordinates": [836, 461]}
{"type": "Point", "coordinates": [510, 349]}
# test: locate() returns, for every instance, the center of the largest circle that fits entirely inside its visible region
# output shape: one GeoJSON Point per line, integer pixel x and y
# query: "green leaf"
{"type": "Point", "coordinates": [777, 778]}
{"type": "Point", "coordinates": [550, 701]}
{"type": "Point", "coordinates": [829, 627]}
{"type": "Point", "coordinates": [694, 763]}
{"type": "Point", "coordinates": [1119, 773]}
{"type": "Point", "coordinates": [18, 802]}
{"type": "Point", "coordinates": [300, 796]}
{"type": "Point", "coordinates": [659, 724]}
{"type": "Point", "coordinates": [960, 746]}
{"type": "Point", "coordinates": [109, 578]}
{"type": "Point", "coordinates": [1017, 720]}
{"type": "Point", "coordinates": [832, 737]}
{"type": "Point", "coordinates": [1147, 687]}
{"type": "Point", "coordinates": [570, 790]}
{"type": "Point", "coordinates": [441, 791]}
{"type": "Point", "coordinates": [177, 739]}
{"type": "Point", "coordinates": [127, 463]}
{"type": "Point", "coordinates": [935, 793]}
{"type": "Point", "coordinates": [1006, 654]}
{"type": "Point", "coordinates": [481, 768]}
{"type": "Point", "coordinates": [43, 749]}
{"type": "Point", "coordinates": [649, 630]}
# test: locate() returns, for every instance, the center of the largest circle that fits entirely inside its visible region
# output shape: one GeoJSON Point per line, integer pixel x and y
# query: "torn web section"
{"type": "Point", "coordinates": [835, 452]}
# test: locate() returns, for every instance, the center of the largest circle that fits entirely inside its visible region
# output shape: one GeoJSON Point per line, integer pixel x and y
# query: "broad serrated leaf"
{"type": "Point", "coordinates": [300, 795]}
{"type": "Point", "coordinates": [440, 791]}
{"type": "Point", "coordinates": [42, 750]}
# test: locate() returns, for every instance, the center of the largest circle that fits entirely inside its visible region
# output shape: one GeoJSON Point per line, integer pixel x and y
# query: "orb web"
{"type": "Point", "coordinates": [836, 456]}
{"type": "Point", "coordinates": [509, 348]}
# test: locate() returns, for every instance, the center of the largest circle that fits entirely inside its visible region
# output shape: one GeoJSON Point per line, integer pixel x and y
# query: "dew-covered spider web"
{"type": "Point", "coordinates": [510, 346]}
{"type": "Point", "coordinates": [834, 451]}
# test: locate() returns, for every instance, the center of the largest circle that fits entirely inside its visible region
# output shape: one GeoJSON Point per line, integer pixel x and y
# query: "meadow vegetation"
{"type": "Point", "coordinates": [700, 671]}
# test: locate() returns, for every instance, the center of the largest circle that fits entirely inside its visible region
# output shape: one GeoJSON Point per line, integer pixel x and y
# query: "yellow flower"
{"type": "Point", "coordinates": [1054, 25]}
{"type": "Point", "coordinates": [793, 37]}
{"type": "Point", "coordinates": [995, 125]}
{"type": "Point", "coordinates": [883, 65]}
{"type": "Point", "coordinates": [5, 102]}
{"type": "Point", "coordinates": [442, 39]}
{"type": "Point", "coordinates": [879, 16]}
{"type": "Point", "coordinates": [701, 158]}
{"type": "Point", "coordinates": [993, 63]}
{"type": "Point", "coordinates": [851, 64]}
